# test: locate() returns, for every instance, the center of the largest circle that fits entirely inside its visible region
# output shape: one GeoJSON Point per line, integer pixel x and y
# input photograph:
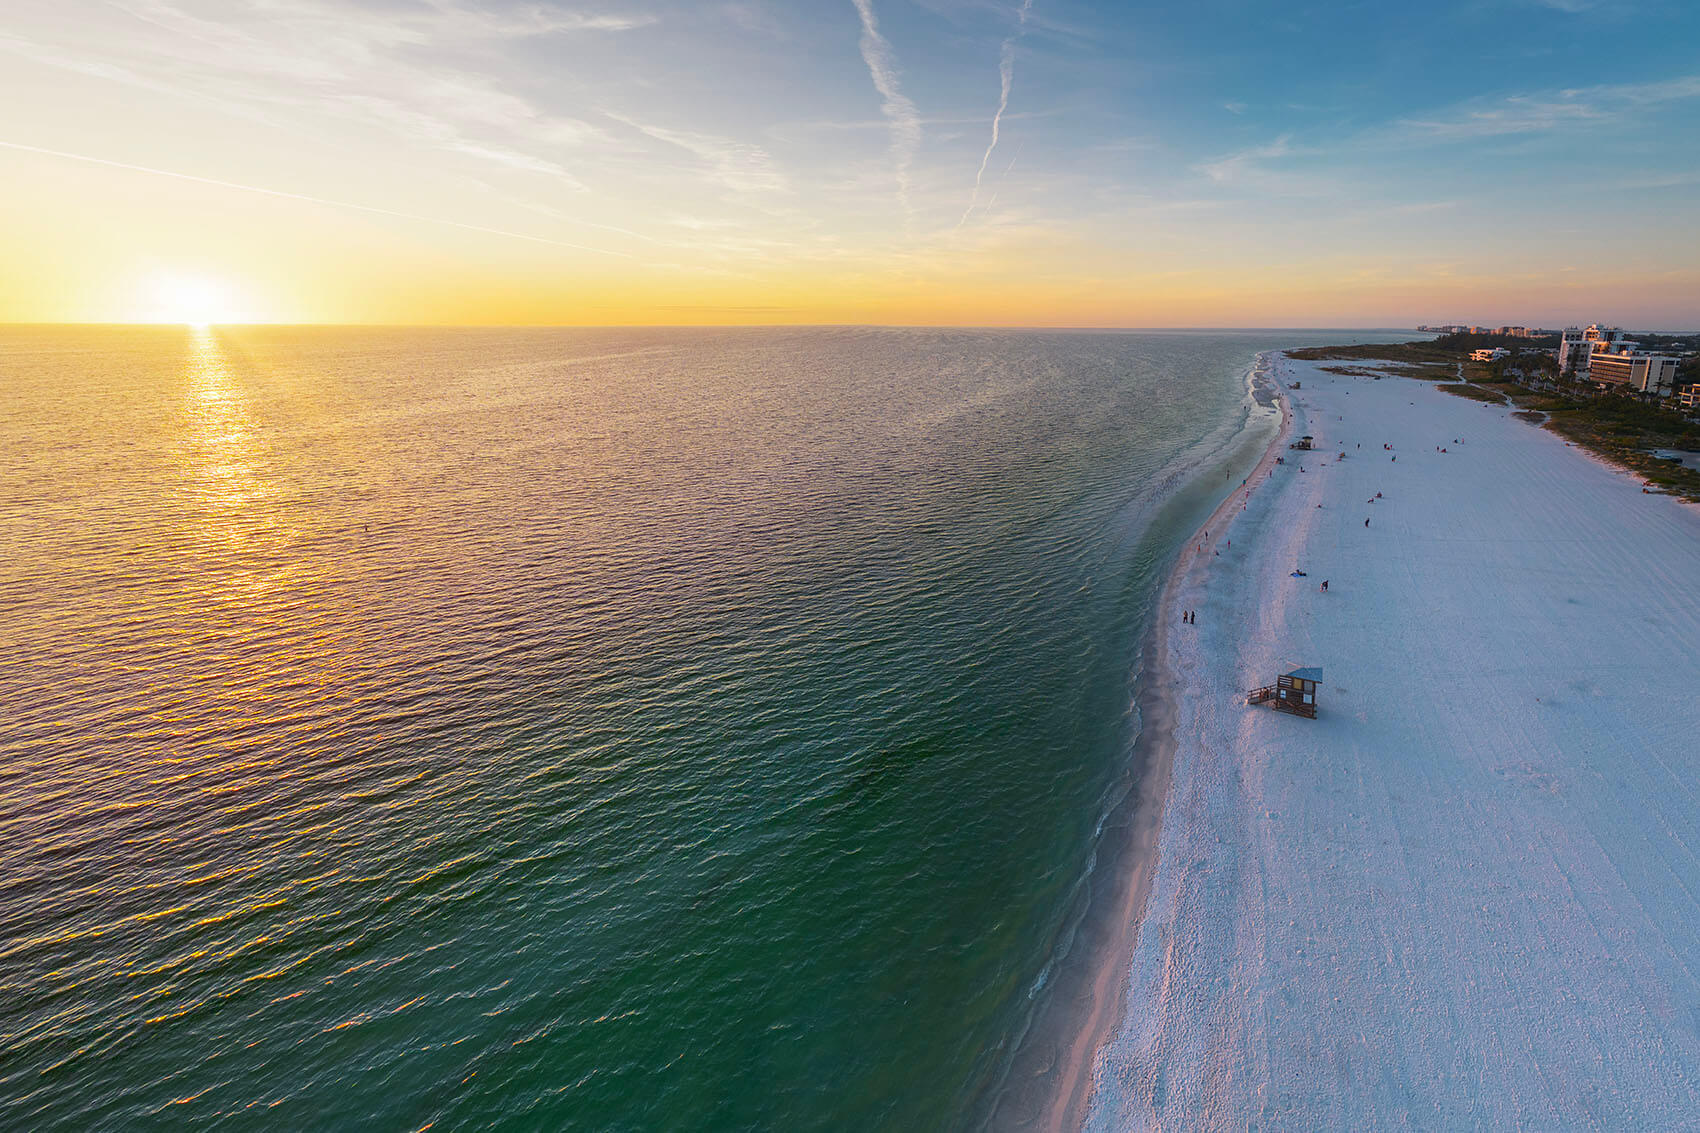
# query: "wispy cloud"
{"type": "Point", "coordinates": [1658, 181]}
{"type": "Point", "coordinates": [898, 110]}
{"type": "Point", "coordinates": [1418, 207]}
{"type": "Point", "coordinates": [1006, 80]}
{"type": "Point", "coordinates": [740, 166]}
{"type": "Point", "coordinates": [1536, 113]}
{"type": "Point", "coordinates": [1235, 166]}
{"type": "Point", "coordinates": [1515, 115]}
{"type": "Point", "coordinates": [387, 69]}
{"type": "Point", "coordinates": [751, 17]}
{"type": "Point", "coordinates": [304, 197]}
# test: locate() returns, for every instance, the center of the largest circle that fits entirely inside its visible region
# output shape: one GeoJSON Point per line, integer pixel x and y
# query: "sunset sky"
{"type": "Point", "coordinates": [1214, 163]}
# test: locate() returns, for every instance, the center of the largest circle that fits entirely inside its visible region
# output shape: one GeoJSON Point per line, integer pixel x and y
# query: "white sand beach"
{"type": "Point", "coordinates": [1468, 893]}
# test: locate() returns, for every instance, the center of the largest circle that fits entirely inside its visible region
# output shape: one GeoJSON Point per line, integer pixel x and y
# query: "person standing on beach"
{"type": "Point", "coordinates": [1366, 522]}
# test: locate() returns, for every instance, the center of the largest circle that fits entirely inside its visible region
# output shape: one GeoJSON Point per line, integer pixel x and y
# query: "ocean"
{"type": "Point", "coordinates": [604, 729]}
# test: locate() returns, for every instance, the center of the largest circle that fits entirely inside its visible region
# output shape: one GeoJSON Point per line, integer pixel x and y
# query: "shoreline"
{"type": "Point", "coordinates": [1113, 932]}
{"type": "Point", "coordinates": [1479, 854]}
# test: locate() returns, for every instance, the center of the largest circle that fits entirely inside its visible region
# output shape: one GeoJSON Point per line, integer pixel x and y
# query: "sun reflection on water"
{"type": "Point", "coordinates": [224, 455]}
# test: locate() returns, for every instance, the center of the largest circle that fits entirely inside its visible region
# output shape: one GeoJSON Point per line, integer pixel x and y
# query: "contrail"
{"type": "Point", "coordinates": [898, 110]}
{"type": "Point", "coordinates": [311, 200]}
{"type": "Point", "coordinates": [1006, 77]}
{"type": "Point", "coordinates": [1005, 177]}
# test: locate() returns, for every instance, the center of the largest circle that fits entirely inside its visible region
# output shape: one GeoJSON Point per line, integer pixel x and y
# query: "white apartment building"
{"type": "Point", "coordinates": [1577, 344]}
{"type": "Point", "coordinates": [1622, 365]}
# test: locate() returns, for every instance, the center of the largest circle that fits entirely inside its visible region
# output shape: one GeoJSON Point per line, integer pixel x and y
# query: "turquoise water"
{"type": "Point", "coordinates": [594, 729]}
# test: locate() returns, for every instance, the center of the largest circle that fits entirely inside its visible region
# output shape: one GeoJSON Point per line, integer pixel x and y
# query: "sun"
{"type": "Point", "coordinates": [195, 300]}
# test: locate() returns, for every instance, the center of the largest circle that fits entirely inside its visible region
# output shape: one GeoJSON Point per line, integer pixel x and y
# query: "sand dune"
{"type": "Point", "coordinates": [1468, 893]}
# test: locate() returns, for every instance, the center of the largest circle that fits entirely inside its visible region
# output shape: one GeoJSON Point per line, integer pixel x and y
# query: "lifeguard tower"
{"type": "Point", "coordinates": [1305, 442]}
{"type": "Point", "coordinates": [1293, 693]}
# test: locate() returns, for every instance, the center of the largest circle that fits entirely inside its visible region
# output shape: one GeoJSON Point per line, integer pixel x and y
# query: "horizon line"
{"type": "Point", "coordinates": [686, 326]}
{"type": "Point", "coordinates": [1096, 327]}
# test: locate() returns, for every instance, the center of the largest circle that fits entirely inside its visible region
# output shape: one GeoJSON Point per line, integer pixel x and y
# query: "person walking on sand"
{"type": "Point", "coordinates": [1325, 586]}
{"type": "Point", "coordinates": [1366, 521]}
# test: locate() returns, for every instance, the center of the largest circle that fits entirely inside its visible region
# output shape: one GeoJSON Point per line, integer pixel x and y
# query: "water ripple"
{"type": "Point", "coordinates": [634, 729]}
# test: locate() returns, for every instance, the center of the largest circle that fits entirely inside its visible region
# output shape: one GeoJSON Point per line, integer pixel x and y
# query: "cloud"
{"type": "Point", "coordinates": [389, 69]}
{"type": "Point", "coordinates": [534, 19]}
{"type": "Point", "coordinates": [753, 18]}
{"type": "Point", "coordinates": [1006, 80]}
{"type": "Point", "coordinates": [741, 167]}
{"type": "Point", "coordinates": [1235, 166]}
{"type": "Point", "coordinates": [1659, 181]}
{"type": "Point", "coordinates": [1537, 113]}
{"type": "Point", "coordinates": [1515, 115]}
{"type": "Point", "coordinates": [898, 110]}
{"type": "Point", "coordinates": [304, 197]}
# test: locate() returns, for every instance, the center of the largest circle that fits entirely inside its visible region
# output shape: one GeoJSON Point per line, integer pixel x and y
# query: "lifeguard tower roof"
{"type": "Point", "coordinates": [1307, 675]}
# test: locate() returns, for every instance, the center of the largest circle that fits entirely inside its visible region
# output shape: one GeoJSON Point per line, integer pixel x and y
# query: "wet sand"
{"type": "Point", "coordinates": [1129, 855]}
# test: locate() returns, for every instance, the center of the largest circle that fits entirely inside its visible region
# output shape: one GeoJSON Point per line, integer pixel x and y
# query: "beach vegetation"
{"type": "Point", "coordinates": [1617, 425]}
{"type": "Point", "coordinates": [1474, 392]}
{"type": "Point", "coordinates": [1415, 353]}
{"type": "Point", "coordinates": [1625, 431]}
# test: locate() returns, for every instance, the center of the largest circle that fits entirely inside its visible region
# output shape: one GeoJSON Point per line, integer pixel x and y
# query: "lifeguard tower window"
{"type": "Point", "coordinates": [1295, 692]}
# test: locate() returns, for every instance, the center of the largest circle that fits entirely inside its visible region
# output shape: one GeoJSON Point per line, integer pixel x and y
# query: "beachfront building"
{"type": "Point", "coordinates": [1577, 344]}
{"type": "Point", "coordinates": [1492, 355]}
{"type": "Point", "coordinates": [1625, 366]}
{"type": "Point", "coordinates": [1689, 397]}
